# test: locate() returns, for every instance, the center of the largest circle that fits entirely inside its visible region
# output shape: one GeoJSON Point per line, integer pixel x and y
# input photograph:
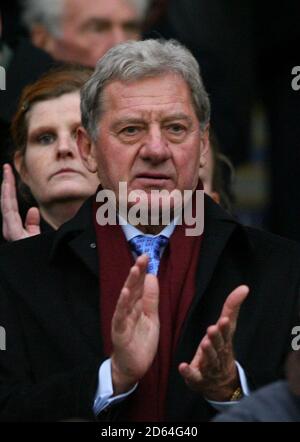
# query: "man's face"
{"type": "Point", "coordinates": [91, 27]}
{"type": "Point", "coordinates": [149, 136]}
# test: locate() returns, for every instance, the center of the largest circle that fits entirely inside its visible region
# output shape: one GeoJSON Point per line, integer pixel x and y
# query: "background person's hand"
{"type": "Point", "coordinates": [12, 225]}
{"type": "Point", "coordinates": [135, 327]}
{"type": "Point", "coordinates": [213, 372]}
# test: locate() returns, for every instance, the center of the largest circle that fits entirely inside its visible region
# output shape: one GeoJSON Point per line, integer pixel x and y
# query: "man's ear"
{"type": "Point", "coordinates": [20, 166]}
{"type": "Point", "coordinates": [204, 146]}
{"type": "Point", "coordinates": [41, 38]}
{"type": "Point", "coordinates": [87, 150]}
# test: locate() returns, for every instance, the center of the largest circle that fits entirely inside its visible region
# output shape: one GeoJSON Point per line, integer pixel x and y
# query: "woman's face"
{"type": "Point", "coordinates": [52, 167]}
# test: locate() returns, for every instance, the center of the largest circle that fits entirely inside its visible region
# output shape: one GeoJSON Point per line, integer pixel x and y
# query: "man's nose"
{"type": "Point", "coordinates": [155, 147]}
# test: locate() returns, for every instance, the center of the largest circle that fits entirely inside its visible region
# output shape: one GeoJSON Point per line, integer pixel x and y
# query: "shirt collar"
{"type": "Point", "coordinates": [131, 231]}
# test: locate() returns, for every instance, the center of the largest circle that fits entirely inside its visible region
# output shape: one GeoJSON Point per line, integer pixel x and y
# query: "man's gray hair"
{"type": "Point", "coordinates": [43, 12]}
{"type": "Point", "coordinates": [135, 60]}
{"type": "Point", "coordinates": [49, 13]}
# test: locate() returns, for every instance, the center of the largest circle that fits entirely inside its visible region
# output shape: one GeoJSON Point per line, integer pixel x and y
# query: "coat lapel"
{"type": "Point", "coordinates": [218, 228]}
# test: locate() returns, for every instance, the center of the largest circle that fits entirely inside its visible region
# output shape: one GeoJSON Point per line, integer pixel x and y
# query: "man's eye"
{"type": "Point", "coordinates": [130, 130]}
{"type": "Point", "coordinates": [46, 138]}
{"type": "Point", "coordinates": [176, 129]}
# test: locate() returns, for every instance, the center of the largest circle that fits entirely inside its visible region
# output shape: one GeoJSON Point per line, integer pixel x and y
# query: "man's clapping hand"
{"type": "Point", "coordinates": [213, 372]}
{"type": "Point", "coordinates": [135, 327]}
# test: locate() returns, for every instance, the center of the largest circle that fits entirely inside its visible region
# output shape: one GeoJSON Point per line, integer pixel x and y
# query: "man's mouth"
{"type": "Point", "coordinates": [152, 177]}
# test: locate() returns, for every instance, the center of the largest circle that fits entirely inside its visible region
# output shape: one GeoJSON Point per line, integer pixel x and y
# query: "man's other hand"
{"type": "Point", "coordinates": [213, 372]}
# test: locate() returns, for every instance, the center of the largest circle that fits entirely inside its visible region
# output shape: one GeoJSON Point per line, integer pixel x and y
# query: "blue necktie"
{"type": "Point", "coordinates": [151, 246]}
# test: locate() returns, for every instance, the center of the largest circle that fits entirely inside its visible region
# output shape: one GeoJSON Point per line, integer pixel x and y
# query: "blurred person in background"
{"type": "Point", "coordinates": [77, 31]}
{"type": "Point", "coordinates": [46, 155]}
{"type": "Point", "coordinates": [82, 31]}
